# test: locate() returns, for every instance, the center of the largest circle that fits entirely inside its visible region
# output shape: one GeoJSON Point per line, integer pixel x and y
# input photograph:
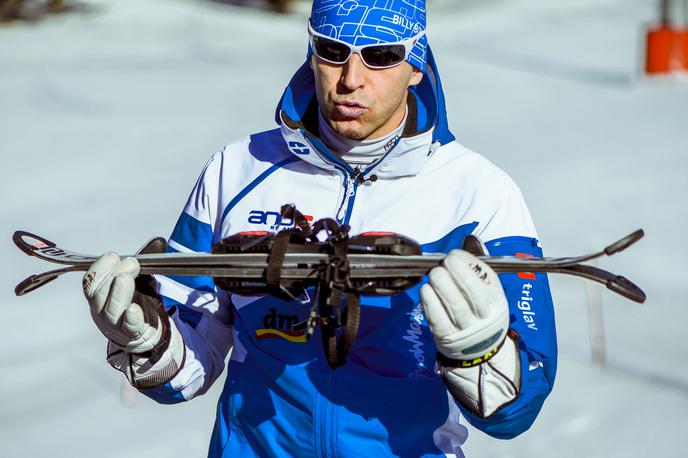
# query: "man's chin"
{"type": "Point", "coordinates": [349, 129]}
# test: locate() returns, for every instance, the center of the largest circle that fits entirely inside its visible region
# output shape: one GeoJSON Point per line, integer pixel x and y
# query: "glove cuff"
{"type": "Point", "coordinates": [154, 370]}
{"type": "Point", "coordinates": [488, 387]}
{"type": "Point", "coordinates": [445, 361]}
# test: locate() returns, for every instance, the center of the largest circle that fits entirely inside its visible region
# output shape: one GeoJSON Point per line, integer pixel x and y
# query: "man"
{"type": "Point", "coordinates": [363, 138]}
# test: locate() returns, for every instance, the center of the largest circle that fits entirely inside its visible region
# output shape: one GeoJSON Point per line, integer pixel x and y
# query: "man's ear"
{"type": "Point", "coordinates": [416, 77]}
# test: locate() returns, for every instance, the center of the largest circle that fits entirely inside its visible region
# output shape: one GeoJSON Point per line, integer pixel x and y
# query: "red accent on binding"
{"type": "Point", "coordinates": [525, 275]}
{"type": "Point", "coordinates": [253, 233]}
{"type": "Point", "coordinates": [378, 234]}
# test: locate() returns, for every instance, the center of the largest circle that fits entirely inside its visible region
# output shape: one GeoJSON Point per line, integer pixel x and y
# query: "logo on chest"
{"type": "Point", "coordinates": [272, 219]}
{"type": "Point", "coordinates": [281, 326]}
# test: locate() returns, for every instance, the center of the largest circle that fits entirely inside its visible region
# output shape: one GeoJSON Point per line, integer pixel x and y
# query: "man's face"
{"type": "Point", "coordinates": [361, 103]}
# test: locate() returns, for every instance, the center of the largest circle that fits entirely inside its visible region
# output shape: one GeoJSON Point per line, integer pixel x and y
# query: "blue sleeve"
{"type": "Point", "coordinates": [201, 312]}
{"type": "Point", "coordinates": [532, 317]}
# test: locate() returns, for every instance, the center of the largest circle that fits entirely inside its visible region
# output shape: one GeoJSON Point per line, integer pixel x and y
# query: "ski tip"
{"type": "Point", "coordinates": [624, 243]}
{"type": "Point", "coordinates": [28, 242]}
{"type": "Point", "coordinates": [474, 246]}
{"type": "Point", "coordinates": [627, 289]}
{"type": "Point", "coordinates": [32, 283]}
{"type": "Point", "coordinates": [154, 245]}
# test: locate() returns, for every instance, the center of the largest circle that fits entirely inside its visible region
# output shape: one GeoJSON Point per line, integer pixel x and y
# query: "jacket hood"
{"type": "Point", "coordinates": [426, 127]}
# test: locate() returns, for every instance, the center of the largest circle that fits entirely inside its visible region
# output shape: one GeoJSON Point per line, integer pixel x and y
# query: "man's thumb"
{"type": "Point", "coordinates": [133, 320]}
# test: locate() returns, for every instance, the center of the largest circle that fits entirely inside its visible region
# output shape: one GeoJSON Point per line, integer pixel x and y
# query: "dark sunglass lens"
{"type": "Point", "coordinates": [330, 50]}
{"type": "Point", "coordinates": [384, 55]}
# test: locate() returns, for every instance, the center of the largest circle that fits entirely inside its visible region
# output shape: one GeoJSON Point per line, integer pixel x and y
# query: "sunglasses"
{"type": "Point", "coordinates": [376, 56]}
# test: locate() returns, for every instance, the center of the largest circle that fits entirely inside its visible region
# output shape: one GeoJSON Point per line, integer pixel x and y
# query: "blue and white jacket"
{"type": "Point", "coordinates": [280, 397]}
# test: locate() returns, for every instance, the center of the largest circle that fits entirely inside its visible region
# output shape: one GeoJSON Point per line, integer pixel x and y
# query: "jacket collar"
{"type": "Point", "coordinates": [426, 127]}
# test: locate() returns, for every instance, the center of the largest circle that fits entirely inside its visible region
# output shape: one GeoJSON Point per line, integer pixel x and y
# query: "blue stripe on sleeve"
{"type": "Point", "coordinates": [200, 283]}
{"type": "Point", "coordinates": [205, 284]}
{"type": "Point", "coordinates": [193, 234]}
{"type": "Point", "coordinates": [196, 236]}
{"type": "Point", "coordinates": [453, 240]}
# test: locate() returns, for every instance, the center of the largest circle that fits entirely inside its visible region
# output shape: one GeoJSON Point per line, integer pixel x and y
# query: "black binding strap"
{"type": "Point", "coordinates": [353, 319]}
{"type": "Point", "coordinates": [328, 310]}
{"type": "Point", "coordinates": [280, 245]}
{"type": "Point", "coordinates": [289, 211]}
{"type": "Point", "coordinates": [335, 282]}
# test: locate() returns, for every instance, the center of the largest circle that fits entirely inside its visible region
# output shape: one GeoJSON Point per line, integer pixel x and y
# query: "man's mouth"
{"type": "Point", "coordinates": [349, 110]}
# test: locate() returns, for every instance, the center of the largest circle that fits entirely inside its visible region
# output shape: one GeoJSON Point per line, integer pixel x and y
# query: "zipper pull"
{"type": "Point", "coordinates": [352, 185]}
{"type": "Point", "coordinates": [358, 175]}
{"type": "Point", "coordinates": [350, 191]}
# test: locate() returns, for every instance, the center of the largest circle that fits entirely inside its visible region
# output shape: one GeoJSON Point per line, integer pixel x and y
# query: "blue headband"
{"type": "Point", "coordinates": [362, 22]}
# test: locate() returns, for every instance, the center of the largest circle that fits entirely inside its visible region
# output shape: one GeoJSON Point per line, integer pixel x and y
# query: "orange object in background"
{"type": "Point", "coordinates": [660, 45]}
{"type": "Point", "coordinates": [667, 45]}
{"type": "Point", "coordinates": [681, 46]}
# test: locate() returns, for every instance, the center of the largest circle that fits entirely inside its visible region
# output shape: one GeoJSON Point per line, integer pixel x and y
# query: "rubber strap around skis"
{"type": "Point", "coordinates": [300, 222]}
{"type": "Point", "coordinates": [338, 349]}
{"type": "Point", "coordinates": [353, 320]}
{"type": "Point", "coordinates": [329, 331]}
{"type": "Point", "coordinates": [273, 273]}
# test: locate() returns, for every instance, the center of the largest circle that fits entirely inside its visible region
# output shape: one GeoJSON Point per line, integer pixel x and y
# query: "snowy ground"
{"type": "Point", "coordinates": [107, 116]}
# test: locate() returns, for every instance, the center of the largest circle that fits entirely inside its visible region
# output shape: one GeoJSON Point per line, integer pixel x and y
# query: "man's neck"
{"type": "Point", "coordinates": [358, 153]}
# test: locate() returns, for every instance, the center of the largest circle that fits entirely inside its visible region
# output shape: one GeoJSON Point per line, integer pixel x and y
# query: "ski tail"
{"type": "Point", "coordinates": [34, 282]}
{"type": "Point", "coordinates": [624, 243]}
{"type": "Point", "coordinates": [37, 246]}
{"type": "Point", "coordinates": [617, 283]}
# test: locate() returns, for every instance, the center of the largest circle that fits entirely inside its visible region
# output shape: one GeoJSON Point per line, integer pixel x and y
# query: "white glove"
{"type": "Point", "coordinates": [468, 315]}
{"type": "Point", "coordinates": [143, 342]}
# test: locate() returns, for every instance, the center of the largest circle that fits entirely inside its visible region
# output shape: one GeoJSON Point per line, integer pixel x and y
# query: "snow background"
{"type": "Point", "coordinates": [108, 115]}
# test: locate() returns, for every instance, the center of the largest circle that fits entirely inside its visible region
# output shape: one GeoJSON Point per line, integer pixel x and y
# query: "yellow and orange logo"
{"type": "Point", "coordinates": [280, 326]}
{"type": "Point", "coordinates": [291, 336]}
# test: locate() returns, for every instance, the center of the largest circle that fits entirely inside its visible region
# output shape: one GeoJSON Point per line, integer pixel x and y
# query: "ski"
{"type": "Point", "coordinates": [46, 250]}
{"type": "Point", "coordinates": [251, 267]}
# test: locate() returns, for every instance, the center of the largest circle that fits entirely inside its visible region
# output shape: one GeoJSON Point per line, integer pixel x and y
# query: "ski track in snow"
{"type": "Point", "coordinates": [108, 116]}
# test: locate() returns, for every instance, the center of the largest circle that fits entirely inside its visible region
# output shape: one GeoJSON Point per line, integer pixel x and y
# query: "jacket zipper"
{"type": "Point", "coordinates": [350, 177]}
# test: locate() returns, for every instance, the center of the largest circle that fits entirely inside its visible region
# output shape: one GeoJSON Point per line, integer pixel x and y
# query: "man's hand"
{"type": "Point", "coordinates": [109, 288]}
{"type": "Point", "coordinates": [469, 318]}
{"type": "Point", "coordinates": [143, 342]}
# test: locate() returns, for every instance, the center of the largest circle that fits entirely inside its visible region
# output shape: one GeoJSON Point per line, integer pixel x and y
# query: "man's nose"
{"type": "Point", "coordinates": [353, 73]}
